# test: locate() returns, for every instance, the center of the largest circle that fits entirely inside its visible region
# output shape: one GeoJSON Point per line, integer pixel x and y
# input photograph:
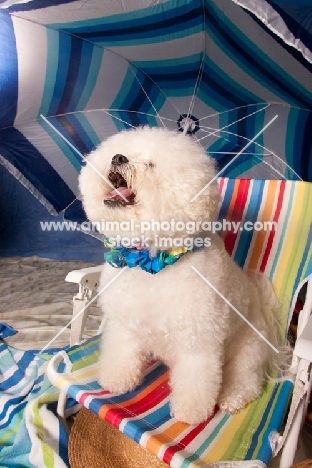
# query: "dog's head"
{"type": "Point", "coordinates": [148, 174]}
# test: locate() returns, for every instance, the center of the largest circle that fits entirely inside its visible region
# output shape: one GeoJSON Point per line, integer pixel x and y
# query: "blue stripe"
{"type": "Point", "coordinates": [19, 402]}
{"type": "Point", "coordinates": [16, 412]}
{"type": "Point", "coordinates": [88, 132]}
{"type": "Point", "coordinates": [135, 429]}
{"type": "Point", "coordinates": [301, 270]}
{"type": "Point", "coordinates": [228, 91]}
{"type": "Point", "coordinates": [264, 420]}
{"type": "Point", "coordinates": [279, 408]}
{"type": "Point", "coordinates": [306, 151]}
{"type": "Point", "coordinates": [251, 215]}
{"type": "Point", "coordinates": [37, 4]}
{"type": "Point", "coordinates": [91, 76]}
{"type": "Point", "coordinates": [62, 72]}
{"type": "Point", "coordinates": [74, 133]}
{"type": "Point", "coordinates": [301, 149]}
{"type": "Point", "coordinates": [72, 75]}
{"type": "Point", "coordinates": [11, 402]}
{"type": "Point", "coordinates": [51, 70]}
{"type": "Point", "coordinates": [71, 155]}
{"type": "Point", "coordinates": [135, 96]}
{"type": "Point", "coordinates": [296, 54]}
{"type": "Point", "coordinates": [97, 403]}
{"type": "Point", "coordinates": [8, 71]}
{"type": "Point", "coordinates": [82, 75]}
{"type": "Point", "coordinates": [16, 149]}
{"type": "Point", "coordinates": [148, 23]}
{"type": "Point", "coordinates": [173, 74]}
{"type": "Point", "coordinates": [227, 199]}
{"type": "Point", "coordinates": [297, 18]}
{"type": "Point", "coordinates": [254, 61]}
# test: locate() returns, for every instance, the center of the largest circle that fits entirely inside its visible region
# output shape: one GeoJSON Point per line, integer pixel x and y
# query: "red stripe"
{"type": "Point", "coordinates": [170, 451]}
{"type": "Point", "coordinates": [96, 394]}
{"type": "Point", "coordinates": [237, 213]}
{"type": "Point", "coordinates": [221, 183]}
{"type": "Point", "coordinates": [117, 413]}
{"type": "Point", "coordinates": [272, 233]}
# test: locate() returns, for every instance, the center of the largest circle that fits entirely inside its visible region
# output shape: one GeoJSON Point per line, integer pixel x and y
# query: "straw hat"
{"type": "Point", "coordinates": [94, 443]}
{"type": "Point", "coordinates": [303, 464]}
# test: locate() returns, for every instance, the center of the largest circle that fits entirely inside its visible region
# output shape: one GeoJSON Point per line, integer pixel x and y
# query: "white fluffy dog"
{"type": "Point", "coordinates": [152, 174]}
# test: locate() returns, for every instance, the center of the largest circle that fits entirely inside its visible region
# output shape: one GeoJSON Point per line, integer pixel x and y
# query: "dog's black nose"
{"type": "Point", "coordinates": [119, 159]}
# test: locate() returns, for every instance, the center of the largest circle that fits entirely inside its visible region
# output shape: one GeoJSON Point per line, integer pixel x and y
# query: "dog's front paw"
{"type": "Point", "coordinates": [118, 380]}
{"type": "Point", "coordinates": [233, 401]}
{"type": "Point", "coordinates": [191, 411]}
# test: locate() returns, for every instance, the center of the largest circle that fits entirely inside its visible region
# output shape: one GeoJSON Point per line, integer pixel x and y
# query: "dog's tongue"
{"type": "Point", "coordinates": [116, 194]}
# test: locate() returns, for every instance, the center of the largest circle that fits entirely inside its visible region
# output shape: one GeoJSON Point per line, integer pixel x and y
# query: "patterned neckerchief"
{"type": "Point", "coordinates": [119, 257]}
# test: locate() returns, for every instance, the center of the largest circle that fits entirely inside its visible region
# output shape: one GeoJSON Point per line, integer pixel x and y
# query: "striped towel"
{"type": "Point", "coordinates": [285, 256]}
{"type": "Point", "coordinates": [30, 432]}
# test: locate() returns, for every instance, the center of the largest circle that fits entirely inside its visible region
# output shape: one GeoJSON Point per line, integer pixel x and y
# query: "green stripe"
{"type": "Point", "coordinates": [85, 361]}
{"type": "Point", "coordinates": [75, 352]}
{"type": "Point", "coordinates": [297, 249]}
{"type": "Point", "coordinates": [260, 435]}
{"type": "Point", "coordinates": [243, 437]}
{"type": "Point", "coordinates": [255, 410]}
{"type": "Point", "coordinates": [47, 451]}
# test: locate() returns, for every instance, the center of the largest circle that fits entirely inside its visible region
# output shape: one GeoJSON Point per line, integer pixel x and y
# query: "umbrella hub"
{"type": "Point", "coordinates": [188, 124]}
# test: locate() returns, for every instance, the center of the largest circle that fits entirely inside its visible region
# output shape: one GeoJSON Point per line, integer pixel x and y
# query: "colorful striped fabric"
{"type": "Point", "coordinates": [98, 67]}
{"type": "Point", "coordinates": [30, 432]}
{"type": "Point", "coordinates": [285, 256]}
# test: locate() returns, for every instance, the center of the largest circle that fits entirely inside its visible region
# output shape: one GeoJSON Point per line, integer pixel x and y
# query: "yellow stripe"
{"type": "Point", "coordinates": [74, 378]}
{"type": "Point", "coordinates": [221, 445]}
{"type": "Point", "coordinates": [296, 229]}
{"type": "Point", "coordinates": [155, 442]}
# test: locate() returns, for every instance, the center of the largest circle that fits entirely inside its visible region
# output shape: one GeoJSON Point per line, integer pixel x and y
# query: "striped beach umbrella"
{"type": "Point", "coordinates": [233, 75]}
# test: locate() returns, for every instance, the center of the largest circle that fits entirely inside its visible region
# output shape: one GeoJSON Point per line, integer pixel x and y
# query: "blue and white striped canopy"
{"type": "Point", "coordinates": [220, 69]}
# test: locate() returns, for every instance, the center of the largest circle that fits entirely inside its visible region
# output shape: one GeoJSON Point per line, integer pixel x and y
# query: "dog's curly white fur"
{"type": "Point", "coordinates": [213, 355]}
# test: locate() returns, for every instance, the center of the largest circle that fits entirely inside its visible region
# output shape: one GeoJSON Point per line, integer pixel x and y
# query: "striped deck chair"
{"type": "Point", "coordinates": [251, 437]}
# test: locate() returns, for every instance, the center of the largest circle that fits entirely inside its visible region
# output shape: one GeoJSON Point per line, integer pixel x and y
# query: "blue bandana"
{"type": "Point", "coordinates": [122, 256]}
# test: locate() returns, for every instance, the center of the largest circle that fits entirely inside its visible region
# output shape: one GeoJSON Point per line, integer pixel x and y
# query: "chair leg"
{"type": "Point", "coordinates": [80, 314]}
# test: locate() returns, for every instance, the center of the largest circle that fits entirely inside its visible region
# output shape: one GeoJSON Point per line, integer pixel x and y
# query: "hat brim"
{"type": "Point", "coordinates": [94, 443]}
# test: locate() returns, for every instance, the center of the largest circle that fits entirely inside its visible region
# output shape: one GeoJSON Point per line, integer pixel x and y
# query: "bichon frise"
{"type": "Point", "coordinates": [142, 185]}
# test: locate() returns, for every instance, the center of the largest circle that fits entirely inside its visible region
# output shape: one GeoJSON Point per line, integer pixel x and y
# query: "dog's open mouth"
{"type": "Point", "coordinates": [121, 195]}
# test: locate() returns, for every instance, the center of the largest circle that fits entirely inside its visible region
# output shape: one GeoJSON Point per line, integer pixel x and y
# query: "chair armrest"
{"type": "Point", "coordinates": [88, 277]}
{"type": "Point", "coordinates": [303, 347]}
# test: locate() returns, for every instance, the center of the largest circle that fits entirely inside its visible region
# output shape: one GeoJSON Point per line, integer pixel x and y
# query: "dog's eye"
{"type": "Point", "coordinates": [151, 164]}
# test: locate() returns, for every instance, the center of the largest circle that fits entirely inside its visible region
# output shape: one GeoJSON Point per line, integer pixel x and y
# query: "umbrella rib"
{"type": "Point", "coordinates": [196, 88]}
{"type": "Point", "coordinates": [117, 118]}
{"type": "Point", "coordinates": [200, 71]}
{"type": "Point", "coordinates": [232, 160]}
{"type": "Point", "coordinates": [236, 121]}
{"type": "Point", "coordinates": [157, 114]}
